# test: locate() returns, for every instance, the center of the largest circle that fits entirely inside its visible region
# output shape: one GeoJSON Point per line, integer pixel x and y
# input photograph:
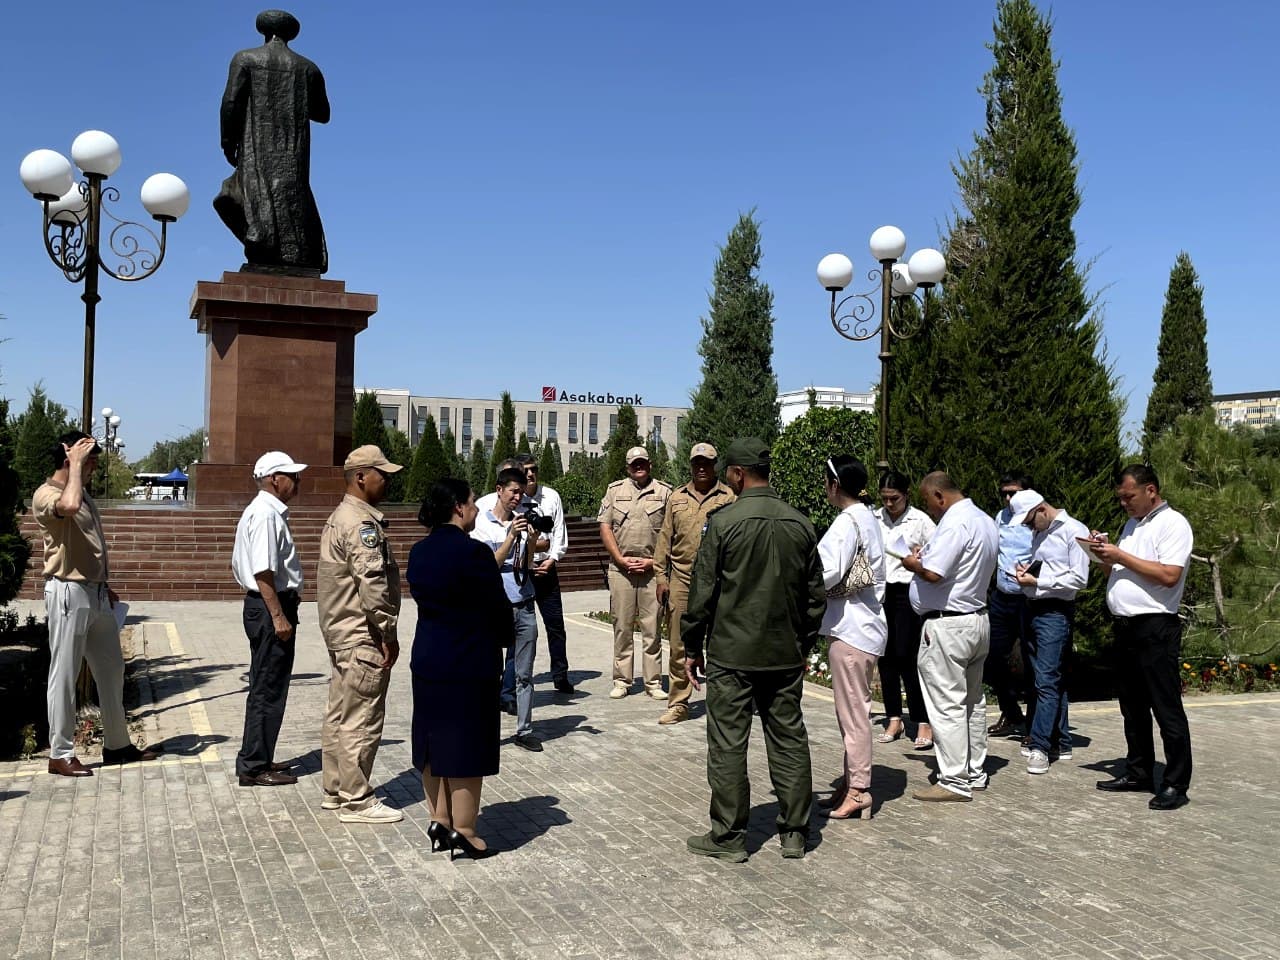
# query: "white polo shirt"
{"type": "Point", "coordinates": [1163, 535]}
{"type": "Point", "coordinates": [263, 542]}
{"type": "Point", "coordinates": [915, 528]}
{"type": "Point", "coordinates": [963, 552]}
{"type": "Point", "coordinates": [1065, 565]}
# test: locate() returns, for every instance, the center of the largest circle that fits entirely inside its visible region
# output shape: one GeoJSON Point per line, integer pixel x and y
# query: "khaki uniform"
{"type": "Point", "coordinates": [686, 518]}
{"type": "Point", "coordinates": [82, 623]}
{"type": "Point", "coordinates": [358, 596]}
{"type": "Point", "coordinates": [635, 516]}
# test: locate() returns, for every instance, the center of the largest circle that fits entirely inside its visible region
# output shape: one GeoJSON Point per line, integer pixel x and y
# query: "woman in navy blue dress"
{"type": "Point", "coordinates": [464, 621]}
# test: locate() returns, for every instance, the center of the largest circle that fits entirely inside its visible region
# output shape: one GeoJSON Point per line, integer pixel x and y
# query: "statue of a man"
{"type": "Point", "coordinates": [272, 95]}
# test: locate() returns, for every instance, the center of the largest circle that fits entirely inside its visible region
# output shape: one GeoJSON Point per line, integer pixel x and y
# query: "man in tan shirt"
{"type": "Point", "coordinates": [678, 542]}
{"type": "Point", "coordinates": [358, 596]}
{"type": "Point", "coordinates": [630, 517]}
{"type": "Point", "coordinates": [80, 606]}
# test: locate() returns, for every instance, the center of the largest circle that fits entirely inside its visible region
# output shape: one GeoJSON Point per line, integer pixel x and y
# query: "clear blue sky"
{"type": "Point", "coordinates": [536, 192]}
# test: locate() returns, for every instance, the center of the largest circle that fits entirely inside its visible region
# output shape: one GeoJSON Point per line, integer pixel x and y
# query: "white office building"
{"type": "Point", "coordinates": [793, 404]}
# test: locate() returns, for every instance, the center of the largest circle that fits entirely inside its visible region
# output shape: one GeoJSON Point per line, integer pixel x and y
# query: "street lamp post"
{"type": "Point", "coordinates": [897, 281]}
{"type": "Point", "coordinates": [111, 430]}
{"type": "Point", "coordinates": [73, 225]}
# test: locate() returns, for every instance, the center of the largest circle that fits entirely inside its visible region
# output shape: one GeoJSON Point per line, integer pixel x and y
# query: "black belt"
{"type": "Point", "coordinates": [1142, 616]}
{"type": "Point", "coordinates": [935, 614]}
{"type": "Point", "coordinates": [282, 594]}
{"type": "Point", "coordinates": [1050, 604]}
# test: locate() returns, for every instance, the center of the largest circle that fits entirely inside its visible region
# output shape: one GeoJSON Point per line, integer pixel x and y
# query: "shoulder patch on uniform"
{"type": "Point", "coordinates": [369, 533]}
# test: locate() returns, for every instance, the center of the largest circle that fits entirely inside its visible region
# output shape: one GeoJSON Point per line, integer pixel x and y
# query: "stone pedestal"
{"type": "Point", "coordinates": [279, 375]}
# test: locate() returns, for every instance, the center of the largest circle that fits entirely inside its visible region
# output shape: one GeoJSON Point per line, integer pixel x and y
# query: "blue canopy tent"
{"type": "Point", "coordinates": [174, 476]}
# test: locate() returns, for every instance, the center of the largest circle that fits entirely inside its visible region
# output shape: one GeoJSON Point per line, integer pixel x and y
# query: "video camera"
{"type": "Point", "coordinates": [538, 522]}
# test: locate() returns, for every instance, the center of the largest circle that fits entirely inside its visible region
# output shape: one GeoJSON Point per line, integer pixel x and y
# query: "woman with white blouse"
{"type": "Point", "coordinates": [855, 628]}
{"type": "Point", "coordinates": [899, 521]}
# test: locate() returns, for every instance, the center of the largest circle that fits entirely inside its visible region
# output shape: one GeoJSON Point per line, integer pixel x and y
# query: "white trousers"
{"type": "Point", "coordinates": [952, 652]}
{"type": "Point", "coordinates": [82, 627]}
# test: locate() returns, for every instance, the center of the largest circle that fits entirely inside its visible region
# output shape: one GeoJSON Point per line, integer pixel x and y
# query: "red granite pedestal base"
{"type": "Point", "coordinates": [279, 375]}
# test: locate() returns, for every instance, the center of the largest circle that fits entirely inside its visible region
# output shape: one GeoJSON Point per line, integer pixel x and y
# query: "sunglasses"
{"type": "Point", "coordinates": [1007, 493]}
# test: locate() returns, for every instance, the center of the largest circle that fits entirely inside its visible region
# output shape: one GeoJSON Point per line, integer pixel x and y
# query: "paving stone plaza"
{"type": "Point", "coordinates": [172, 859]}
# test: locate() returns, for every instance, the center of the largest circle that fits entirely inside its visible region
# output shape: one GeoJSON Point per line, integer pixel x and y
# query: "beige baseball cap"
{"type": "Point", "coordinates": [636, 453]}
{"type": "Point", "coordinates": [703, 450]}
{"type": "Point", "coordinates": [370, 455]}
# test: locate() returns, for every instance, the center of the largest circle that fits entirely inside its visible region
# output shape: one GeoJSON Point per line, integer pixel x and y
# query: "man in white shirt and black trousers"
{"type": "Point", "coordinates": [266, 564]}
{"type": "Point", "coordinates": [949, 591]}
{"type": "Point", "coordinates": [1147, 572]}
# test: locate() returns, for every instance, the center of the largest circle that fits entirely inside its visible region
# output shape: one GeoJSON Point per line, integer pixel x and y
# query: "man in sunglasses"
{"type": "Point", "coordinates": [265, 563]}
{"type": "Point", "coordinates": [1010, 622]}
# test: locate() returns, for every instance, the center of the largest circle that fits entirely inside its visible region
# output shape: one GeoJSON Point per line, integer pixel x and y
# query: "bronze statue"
{"type": "Point", "coordinates": [272, 95]}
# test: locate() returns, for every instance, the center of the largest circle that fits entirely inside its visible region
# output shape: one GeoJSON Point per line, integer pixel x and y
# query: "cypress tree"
{"type": "Point", "coordinates": [14, 548]}
{"type": "Point", "coordinates": [36, 430]}
{"type": "Point", "coordinates": [429, 463]}
{"type": "Point", "coordinates": [366, 425]}
{"type": "Point", "coordinates": [478, 470]}
{"type": "Point", "coordinates": [738, 395]}
{"type": "Point", "coordinates": [1015, 375]}
{"type": "Point", "coordinates": [522, 446]}
{"type": "Point", "coordinates": [504, 444]}
{"type": "Point", "coordinates": [661, 458]}
{"type": "Point", "coordinates": [549, 462]}
{"type": "Point", "coordinates": [454, 464]}
{"type": "Point", "coordinates": [625, 436]}
{"type": "Point", "coordinates": [1181, 383]}
{"type": "Point", "coordinates": [398, 450]}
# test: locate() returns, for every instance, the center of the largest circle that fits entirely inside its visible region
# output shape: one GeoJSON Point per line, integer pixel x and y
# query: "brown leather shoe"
{"type": "Point", "coordinates": [281, 766]}
{"type": "Point", "coordinates": [267, 778]}
{"type": "Point", "coordinates": [70, 767]}
{"type": "Point", "coordinates": [128, 754]}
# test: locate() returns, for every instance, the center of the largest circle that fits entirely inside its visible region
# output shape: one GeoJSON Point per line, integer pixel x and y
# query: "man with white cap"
{"type": "Point", "coordinates": [265, 563]}
{"type": "Point", "coordinates": [358, 602]}
{"type": "Point", "coordinates": [630, 518]}
{"type": "Point", "coordinates": [1058, 570]}
{"type": "Point", "coordinates": [678, 541]}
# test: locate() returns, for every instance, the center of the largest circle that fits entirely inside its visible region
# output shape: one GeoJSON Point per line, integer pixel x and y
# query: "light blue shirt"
{"type": "Point", "coordinates": [1015, 549]}
{"type": "Point", "coordinates": [492, 532]}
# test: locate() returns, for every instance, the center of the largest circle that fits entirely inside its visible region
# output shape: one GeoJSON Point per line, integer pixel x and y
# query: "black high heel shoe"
{"type": "Point", "coordinates": [460, 844]}
{"type": "Point", "coordinates": [438, 833]}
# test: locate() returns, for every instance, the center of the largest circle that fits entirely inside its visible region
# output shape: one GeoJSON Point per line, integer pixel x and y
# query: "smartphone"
{"type": "Point", "coordinates": [1033, 569]}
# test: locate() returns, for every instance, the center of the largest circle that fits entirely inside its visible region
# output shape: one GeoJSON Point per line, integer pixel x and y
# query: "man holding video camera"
{"type": "Point", "coordinates": [506, 532]}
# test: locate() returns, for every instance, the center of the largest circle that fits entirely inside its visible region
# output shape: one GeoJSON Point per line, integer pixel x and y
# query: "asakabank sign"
{"type": "Point", "coordinates": [551, 395]}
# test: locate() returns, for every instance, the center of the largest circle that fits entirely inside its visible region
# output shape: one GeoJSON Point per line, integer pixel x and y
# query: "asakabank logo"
{"type": "Point", "coordinates": [548, 394]}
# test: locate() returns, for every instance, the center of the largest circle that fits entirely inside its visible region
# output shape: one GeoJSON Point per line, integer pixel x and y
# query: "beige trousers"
{"type": "Point", "coordinates": [851, 671]}
{"type": "Point", "coordinates": [353, 724]}
{"type": "Point", "coordinates": [679, 690]}
{"type": "Point", "coordinates": [634, 597]}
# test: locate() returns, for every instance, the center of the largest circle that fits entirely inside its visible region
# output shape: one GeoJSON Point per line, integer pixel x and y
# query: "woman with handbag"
{"type": "Point", "coordinates": [853, 570]}
{"type": "Point", "coordinates": [464, 621]}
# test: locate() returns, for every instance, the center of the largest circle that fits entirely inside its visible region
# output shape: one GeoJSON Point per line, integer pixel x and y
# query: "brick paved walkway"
{"type": "Point", "coordinates": [173, 859]}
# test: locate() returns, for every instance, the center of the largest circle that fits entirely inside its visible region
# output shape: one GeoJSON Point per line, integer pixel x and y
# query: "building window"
{"type": "Point", "coordinates": [573, 428]}
{"type": "Point", "coordinates": [466, 429]}
{"type": "Point", "coordinates": [443, 425]}
{"type": "Point", "coordinates": [391, 418]}
{"type": "Point", "coordinates": [488, 447]}
{"type": "Point", "coordinates": [551, 426]}
{"type": "Point", "coordinates": [488, 427]}
{"type": "Point", "coordinates": [593, 435]}
{"type": "Point", "coordinates": [613, 424]}
{"type": "Point", "coordinates": [657, 430]}
{"type": "Point", "coordinates": [532, 431]}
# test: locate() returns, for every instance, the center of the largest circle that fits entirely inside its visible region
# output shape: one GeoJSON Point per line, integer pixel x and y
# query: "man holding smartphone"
{"type": "Point", "coordinates": [1058, 570]}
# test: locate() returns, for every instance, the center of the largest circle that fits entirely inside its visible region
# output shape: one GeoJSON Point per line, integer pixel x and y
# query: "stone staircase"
{"type": "Point", "coordinates": [181, 551]}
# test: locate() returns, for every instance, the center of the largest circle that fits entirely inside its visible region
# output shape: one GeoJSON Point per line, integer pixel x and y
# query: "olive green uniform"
{"type": "Point", "coordinates": [634, 514]}
{"type": "Point", "coordinates": [358, 600]}
{"type": "Point", "coordinates": [673, 557]}
{"type": "Point", "coordinates": [756, 603]}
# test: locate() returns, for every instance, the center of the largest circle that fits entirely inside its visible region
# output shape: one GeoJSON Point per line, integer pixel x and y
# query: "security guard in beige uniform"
{"type": "Point", "coordinates": [358, 595]}
{"type": "Point", "coordinates": [631, 515]}
{"type": "Point", "coordinates": [687, 511]}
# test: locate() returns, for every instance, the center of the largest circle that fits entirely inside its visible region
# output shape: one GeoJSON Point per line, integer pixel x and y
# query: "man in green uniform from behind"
{"type": "Point", "coordinates": [756, 602]}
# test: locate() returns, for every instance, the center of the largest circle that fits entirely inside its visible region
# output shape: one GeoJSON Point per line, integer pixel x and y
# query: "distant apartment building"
{"type": "Point", "coordinates": [577, 422]}
{"type": "Point", "coordinates": [1250, 409]}
{"type": "Point", "coordinates": [793, 404]}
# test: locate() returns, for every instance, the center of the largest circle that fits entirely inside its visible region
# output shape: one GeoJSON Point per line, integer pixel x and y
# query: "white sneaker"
{"type": "Point", "coordinates": [377, 812]}
{"type": "Point", "coordinates": [657, 693]}
{"type": "Point", "coordinates": [331, 801]}
{"type": "Point", "coordinates": [1038, 762]}
{"type": "Point", "coordinates": [618, 692]}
